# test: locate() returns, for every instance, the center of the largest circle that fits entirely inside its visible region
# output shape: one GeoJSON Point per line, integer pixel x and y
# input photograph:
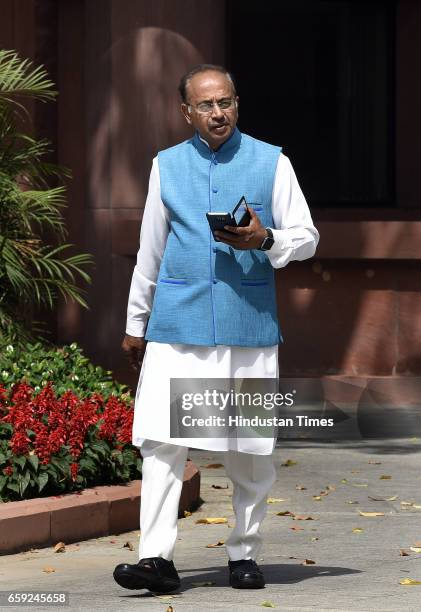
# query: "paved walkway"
{"type": "Point", "coordinates": [352, 570]}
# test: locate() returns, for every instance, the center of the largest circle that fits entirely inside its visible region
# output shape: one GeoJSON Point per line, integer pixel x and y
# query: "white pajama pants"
{"type": "Point", "coordinates": [162, 480]}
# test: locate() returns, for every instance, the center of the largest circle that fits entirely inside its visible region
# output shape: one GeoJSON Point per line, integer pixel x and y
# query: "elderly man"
{"type": "Point", "coordinates": [206, 308]}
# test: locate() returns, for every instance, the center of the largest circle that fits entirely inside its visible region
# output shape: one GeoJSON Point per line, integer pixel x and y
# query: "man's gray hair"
{"type": "Point", "coordinates": [182, 88]}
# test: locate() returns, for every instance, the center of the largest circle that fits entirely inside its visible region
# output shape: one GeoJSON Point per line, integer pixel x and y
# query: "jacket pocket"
{"type": "Point", "coordinates": [255, 206]}
{"type": "Point", "coordinates": [174, 281]}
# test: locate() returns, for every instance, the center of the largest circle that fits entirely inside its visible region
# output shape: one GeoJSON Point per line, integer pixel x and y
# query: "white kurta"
{"type": "Point", "coordinates": [296, 238]}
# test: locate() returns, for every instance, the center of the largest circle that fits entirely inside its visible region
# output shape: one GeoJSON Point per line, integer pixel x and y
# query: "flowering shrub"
{"type": "Point", "coordinates": [66, 366]}
{"type": "Point", "coordinates": [51, 444]}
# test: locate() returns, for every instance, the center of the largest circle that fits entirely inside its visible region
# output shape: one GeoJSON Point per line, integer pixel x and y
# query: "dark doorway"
{"type": "Point", "coordinates": [317, 77]}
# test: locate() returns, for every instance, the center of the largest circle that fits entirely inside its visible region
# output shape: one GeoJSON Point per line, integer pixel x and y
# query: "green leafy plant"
{"type": "Point", "coordinates": [65, 367]}
{"type": "Point", "coordinates": [51, 445]}
{"type": "Point", "coordinates": [32, 273]}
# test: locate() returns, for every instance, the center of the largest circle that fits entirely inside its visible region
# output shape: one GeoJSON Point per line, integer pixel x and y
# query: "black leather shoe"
{"type": "Point", "coordinates": [245, 574]}
{"type": "Point", "coordinates": [153, 573]}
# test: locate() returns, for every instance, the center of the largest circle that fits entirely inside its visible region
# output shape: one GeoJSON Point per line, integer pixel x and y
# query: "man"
{"type": "Point", "coordinates": [210, 311]}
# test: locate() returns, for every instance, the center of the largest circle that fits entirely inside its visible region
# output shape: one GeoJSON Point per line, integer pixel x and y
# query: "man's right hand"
{"type": "Point", "coordinates": [135, 350]}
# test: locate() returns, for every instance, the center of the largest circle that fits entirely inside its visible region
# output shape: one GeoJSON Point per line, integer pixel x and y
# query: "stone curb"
{"type": "Point", "coordinates": [73, 517]}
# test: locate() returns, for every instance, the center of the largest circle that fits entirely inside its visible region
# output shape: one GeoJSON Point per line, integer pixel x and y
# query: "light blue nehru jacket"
{"type": "Point", "coordinates": [207, 292]}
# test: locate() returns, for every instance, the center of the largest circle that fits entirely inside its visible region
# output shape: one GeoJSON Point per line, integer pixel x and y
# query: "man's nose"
{"type": "Point", "coordinates": [216, 111]}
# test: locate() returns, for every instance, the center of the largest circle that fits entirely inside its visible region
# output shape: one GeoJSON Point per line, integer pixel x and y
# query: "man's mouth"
{"type": "Point", "coordinates": [219, 128]}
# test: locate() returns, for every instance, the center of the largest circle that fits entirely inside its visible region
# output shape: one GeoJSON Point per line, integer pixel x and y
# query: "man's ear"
{"type": "Point", "coordinates": [186, 113]}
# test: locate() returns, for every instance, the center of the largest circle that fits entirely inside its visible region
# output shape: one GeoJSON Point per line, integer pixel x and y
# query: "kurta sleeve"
{"type": "Point", "coordinates": [153, 238]}
{"type": "Point", "coordinates": [295, 236]}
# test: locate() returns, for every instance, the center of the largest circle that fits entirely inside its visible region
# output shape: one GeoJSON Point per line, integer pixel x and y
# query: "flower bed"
{"type": "Point", "coordinates": [55, 440]}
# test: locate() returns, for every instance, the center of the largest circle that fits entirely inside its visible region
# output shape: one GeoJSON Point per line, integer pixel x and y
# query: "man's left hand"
{"type": "Point", "coordinates": [248, 237]}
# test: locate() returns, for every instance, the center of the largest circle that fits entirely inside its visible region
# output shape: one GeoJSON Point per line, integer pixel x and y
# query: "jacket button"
{"type": "Point", "coordinates": [214, 249]}
{"type": "Point", "coordinates": [215, 190]}
{"type": "Point", "coordinates": [214, 281]}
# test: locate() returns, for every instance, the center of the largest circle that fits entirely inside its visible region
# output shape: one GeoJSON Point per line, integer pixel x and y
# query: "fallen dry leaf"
{"type": "Point", "coordinates": [374, 462]}
{"type": "Point", "coordinates": [303, 517]}
{"type": "Point", "coordinates": [288, 463]}
{"type": "Point", "coordinates": [415, 549]}
{"type": "Point", "coordinates": [202, 584]}
{"type": "Point", "coordinates": [213, 465]}
{"type": "Point", "coordinates": [267, 604]}
{"type": "Point", "coordinates": [128, 545]}
{"type": "Point", "coordinates": [112, 541]}
{"type": "Point", "coordinates": [359, 484]}
{"type": "Point", "coordinates": [214, 486]}
{"type": "Point", "coordinates": [406, 503]}
{"type": "Point", "coordinates": [344, 481]}
{"type": "Point", "coordinates": [385, 477]}
{"type": "Point", "coordinates": [211, 521]}
{"type": "Point", "coordinates": [60, 547]}
{"type": "Point", "coordinates": [313, 539]}
{"type": "Point", "coordinates": [409, 581]}
{"type": "Point", "coordinates": [383, 498]}
{"type": "Point", "coordinates": [370, 514]}
{"type": "Point", "coordinates": [403, 553]}
{"type": "Point", "coordinates": [187, 513]}
{"type": "Point", "coordinates": [300, 488]}
{"type": "Point", "coordinates": [48, 569]}
{"type": "Point", "coordinates": [170, 609]}
{"type": "Point", "coordinates": [355, 471]}
{"type": "Point", "coordinates": [357, 530]}
{"type": "Point", "coordinates": [219, 543]}
{"type": "Point", "coordinates": [308, 562]}
{"type": "Point", "coordinates": [296, 517]}
{"type": "Point", "coordinates": [349, 501]}
{"type": "Point", "coordinates": [317, 498]}
{"type": "Point", "coordinates": [297, 528]}
{"type": "Point", "coordinates": [275, 500]}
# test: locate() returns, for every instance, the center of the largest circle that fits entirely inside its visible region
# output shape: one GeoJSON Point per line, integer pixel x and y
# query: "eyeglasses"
{"type": "Point", "coordinates": [205, 108]}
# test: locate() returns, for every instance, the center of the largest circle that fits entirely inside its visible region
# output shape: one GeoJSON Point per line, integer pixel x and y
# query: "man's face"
{"type": "Point", "coordinates": [216, 124]}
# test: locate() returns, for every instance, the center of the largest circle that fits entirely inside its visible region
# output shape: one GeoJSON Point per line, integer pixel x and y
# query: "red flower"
{"type": "Point", "coordinates": [117, 421]}
{"type": "Point", "coordinates": [3, 395]}
{"type": "Point", "coordinates": [74, 468]}
{"type": "Point", "coordinates": [19, 443]}
{"type": "Point", "coordinates": [8, 470]}
{"type": "Point", "coordinates": [62, 422]}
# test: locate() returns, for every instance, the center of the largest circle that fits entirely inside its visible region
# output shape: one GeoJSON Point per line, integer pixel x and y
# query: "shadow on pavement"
{"type": "Point", "coordinates": [274, 574]}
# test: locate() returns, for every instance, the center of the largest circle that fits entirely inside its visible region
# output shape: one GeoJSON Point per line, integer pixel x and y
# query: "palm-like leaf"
{"type": "Point", "coordinates": [19, 79]}
{"type": "Point", "coordinates": [32, 273]}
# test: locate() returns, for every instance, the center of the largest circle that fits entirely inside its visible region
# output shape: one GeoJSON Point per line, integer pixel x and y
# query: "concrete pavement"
{"type": "Point", "coordinates": [352, 570]}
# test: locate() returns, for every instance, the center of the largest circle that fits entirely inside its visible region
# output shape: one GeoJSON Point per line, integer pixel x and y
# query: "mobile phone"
{"type": "Point", "coordinates": [239, 217]}
{"type": "Point", "coordinates": [217, 221]}
{"type": "Point", "coordinates": [241, 213]}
